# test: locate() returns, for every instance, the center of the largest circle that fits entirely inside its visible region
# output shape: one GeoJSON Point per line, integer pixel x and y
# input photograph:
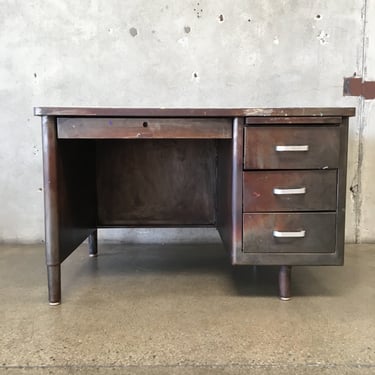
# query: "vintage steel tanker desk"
{"type": "Point", "coordinates": [272, 181]}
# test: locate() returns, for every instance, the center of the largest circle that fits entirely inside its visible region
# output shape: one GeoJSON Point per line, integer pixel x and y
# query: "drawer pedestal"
{"type": "Point", "coordinates": [293, 193]}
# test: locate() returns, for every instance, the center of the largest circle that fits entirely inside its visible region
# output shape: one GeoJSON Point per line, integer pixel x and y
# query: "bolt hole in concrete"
{"type": "Point", "coordinates": [198, 11]}
{"type": "Point", "coordinates": [145, 124]}
{"type": "Point", "coordinates": [133, 31]}
{"type": "Point", "coordinates": [318, 17]}
{"type": "Point", "coordinates": [221, 18]}
{"type": "Point", "coordinates": [187, 29]}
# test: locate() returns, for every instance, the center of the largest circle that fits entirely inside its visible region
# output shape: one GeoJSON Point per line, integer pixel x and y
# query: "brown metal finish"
{"type": "Point", "coordinates": [77, 194]}
{"type": "Point", "coordinates": [51, 212]}
{"type": "Point", "coordinates": [224, 184]}
{"type": "Point", "coordinates": [200, 167]}
{"type": "Point", "coordinates": [70, 199]}
{"type": "Point", "coordinates": [261, 142]}
{"type": "Point", "coordinates": [163, 182]}
{"type": "Point", "coordinates": [229, 190]}
{"type": "Point", "coordinates": [93, 244]}
{"type": "Point", "coordinates": [54, 284]}
{"type": "Point", "coordinates": [51, 194]}
{"type": "Point", "coordinates": [134, 128]}
{"type": "Point", "coordinates": [320, 187]}
{"type": "Point", "coordinates": [320, 232]}
{"type": "Point", "coordinates": [341, 192]}
{"type": "Point", "coordinates": [306, 120]}
{"type": "Point", "coordinates": [192, 112]}
{"type": "Point", "coordinates": [285, 276]}
{"type": "Point", "coordinates": [237, 160]}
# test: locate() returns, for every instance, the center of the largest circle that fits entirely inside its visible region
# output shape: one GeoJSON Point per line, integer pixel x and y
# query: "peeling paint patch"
{"type": "Point", "coordinates": [356, 86]}
{"type": "Point", "coordinates": [133, 31]}
{"type": "Point", "coordinates": [322, 37]}
{"type": "Point", "coordinates": [187, 29]}
{"type": "Point", "coordinates": [354, 190]}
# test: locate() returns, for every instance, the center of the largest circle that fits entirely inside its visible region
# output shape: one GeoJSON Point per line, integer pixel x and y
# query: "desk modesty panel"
{"type": "Point", "coordinates": [271, 180]}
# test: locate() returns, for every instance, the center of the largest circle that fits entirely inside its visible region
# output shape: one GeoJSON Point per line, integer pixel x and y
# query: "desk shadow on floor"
{"type": "Point", "coordinates": [166, 261]}
{"type": "Point", "coordinates": [307, 281]}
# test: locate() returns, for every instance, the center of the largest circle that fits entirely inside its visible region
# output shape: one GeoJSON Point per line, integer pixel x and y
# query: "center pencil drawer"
{"type": "Point", "coordinates": [291, 147]}
{"type": "Point", "coordinates": [312, 190]}
{"type": "Point", "coordinates": [135, 128]}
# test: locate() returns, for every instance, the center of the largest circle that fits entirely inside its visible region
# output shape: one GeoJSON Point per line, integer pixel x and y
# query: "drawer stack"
{"type": "Point", "coordinates": [290, 186]}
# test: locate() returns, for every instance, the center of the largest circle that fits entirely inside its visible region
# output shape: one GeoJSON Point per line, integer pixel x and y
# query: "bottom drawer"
{"type": "Point", "coordinates": [289, 233]}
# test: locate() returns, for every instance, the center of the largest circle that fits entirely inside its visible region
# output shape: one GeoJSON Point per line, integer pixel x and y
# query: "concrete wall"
{"type": "Point", "coordinates": [366, 157]}
{"type": "Point", "coordinates": [201, 53]}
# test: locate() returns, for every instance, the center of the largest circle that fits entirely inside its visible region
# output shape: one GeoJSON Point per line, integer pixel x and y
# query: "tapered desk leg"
{"type": "Point", "coordinates": [284, 282]}
{"type": "Point", "coordinates": [54, 285]}
{"type": "Point", "coordinates": [51, 204]}
{"type": "Point", "coordinates": [93, 244]}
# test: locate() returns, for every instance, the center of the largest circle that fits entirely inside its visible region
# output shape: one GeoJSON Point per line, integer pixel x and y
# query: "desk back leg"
{"type": "Point", "coordinates": [93, 244]}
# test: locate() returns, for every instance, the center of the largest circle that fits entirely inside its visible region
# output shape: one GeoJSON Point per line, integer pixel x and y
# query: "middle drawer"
{"type": "Point", "coordinates": [310, 190]}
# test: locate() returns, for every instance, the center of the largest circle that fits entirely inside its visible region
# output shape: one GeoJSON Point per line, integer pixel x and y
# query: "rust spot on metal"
{"type": "Point", "coordinates": [354, 86]}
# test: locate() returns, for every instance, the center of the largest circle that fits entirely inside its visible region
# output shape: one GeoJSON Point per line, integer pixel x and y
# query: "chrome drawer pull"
{"type": "Point", "coordinates": [278, 191]}
{"type": "Point", "coordinates": [292, 148]}
{"type": "Point", "coordinates": [278, 234]}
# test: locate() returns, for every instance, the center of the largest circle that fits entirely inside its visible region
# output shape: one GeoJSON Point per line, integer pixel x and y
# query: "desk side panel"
{"type": "Point", "coordinates": [77, 194]}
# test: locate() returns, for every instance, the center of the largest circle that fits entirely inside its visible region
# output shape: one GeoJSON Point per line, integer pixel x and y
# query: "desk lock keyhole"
{"type": "Point", "coordinates": [145, 124]}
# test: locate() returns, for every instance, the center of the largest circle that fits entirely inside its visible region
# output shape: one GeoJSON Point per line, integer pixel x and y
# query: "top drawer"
{"type": "Point", "coordinates": [291, 147]}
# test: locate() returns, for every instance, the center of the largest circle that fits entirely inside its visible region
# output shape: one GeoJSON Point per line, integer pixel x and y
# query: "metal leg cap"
{"type": "Point", "coordinates": [93, 255]}
{"type": "Point", "coordinates": [285, 298]}
{"type": "Point", "coordinates": [54, 303]}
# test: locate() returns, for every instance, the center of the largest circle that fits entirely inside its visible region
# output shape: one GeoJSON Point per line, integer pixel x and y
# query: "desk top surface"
{"type": "Point", "coordinates": [192, 112]}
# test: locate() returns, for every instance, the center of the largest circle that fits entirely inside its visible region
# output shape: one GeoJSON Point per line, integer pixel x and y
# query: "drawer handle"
{"type": "Point", "coordinates": [279, 234]}
{"type": "Point", "coordinates": [292, 148]}
{"type": "Point", "coordinates": [278, 191]}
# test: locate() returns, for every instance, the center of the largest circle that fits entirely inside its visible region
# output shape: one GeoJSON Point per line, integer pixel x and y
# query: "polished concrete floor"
{"type": "Point", "coordinates": [180, 309]}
